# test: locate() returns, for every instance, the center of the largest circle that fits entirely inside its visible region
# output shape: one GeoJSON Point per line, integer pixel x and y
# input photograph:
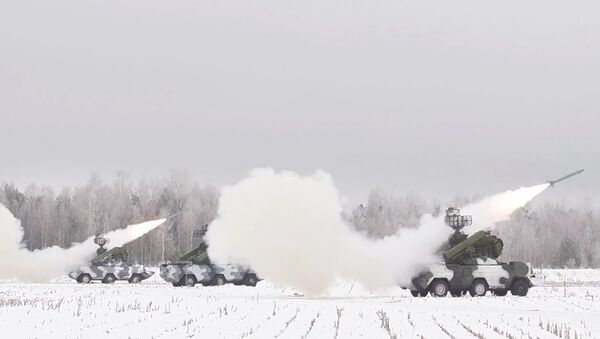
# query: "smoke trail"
{"type": "Point", "coordinates": [487, 212]}
{"type": "Point", "coordinates": [289, 228]}
{"type": "Point", "coordinates": [52, 262]}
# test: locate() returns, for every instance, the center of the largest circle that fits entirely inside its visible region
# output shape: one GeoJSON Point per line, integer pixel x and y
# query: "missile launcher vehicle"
{"type": "Point", "coordinates": [109, 266]}
{"type": "Point", "coordinates": [470, 265]}
{"type": "Point", "coordinates": [195, 267]}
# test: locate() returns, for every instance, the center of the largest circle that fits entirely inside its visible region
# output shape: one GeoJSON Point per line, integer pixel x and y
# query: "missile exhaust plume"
{"type": "Point", "coordinates": [50, 263]}
{"type": "Point", "coordinates": [488, 211]}
{"type": "Point", "coordinates": [289, 228]}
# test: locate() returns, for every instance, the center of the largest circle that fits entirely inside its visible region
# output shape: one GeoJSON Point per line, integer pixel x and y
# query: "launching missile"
{"type": "Point", "coordinates": [553, 182]}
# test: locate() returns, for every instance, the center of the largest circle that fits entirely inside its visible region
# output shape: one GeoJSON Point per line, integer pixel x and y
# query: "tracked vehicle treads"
{"type": "Point", "coordinates": [470, 265]}
{"type": "Point", "coordinates": [195, 267]}
{"type": "Point", "coordinates": [109, 266]}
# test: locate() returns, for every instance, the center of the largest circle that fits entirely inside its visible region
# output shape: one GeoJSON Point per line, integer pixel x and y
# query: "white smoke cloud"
{"type": "Point", "coordinates": [50, 263]}
{"type": "Point", "coordinates": [289, 228]}
{"type": "Point", "coordinates": [489, 211]}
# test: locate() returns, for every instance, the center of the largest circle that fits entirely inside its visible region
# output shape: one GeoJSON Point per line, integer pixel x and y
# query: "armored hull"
{"type": "Point", "coordinates": [190, 274]}
{"type": "Point", "coordinates": [476, 279]}
{"type": "Point", "coordinates": [109, 273]}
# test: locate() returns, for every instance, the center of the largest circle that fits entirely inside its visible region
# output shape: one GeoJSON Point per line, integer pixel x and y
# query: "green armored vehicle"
{"type": "Point", "coordinates": [470, 265]}
{"type": "Point", "coordinates": [109, 266]}
{"type": "Point", "coordinates": [195, 267]}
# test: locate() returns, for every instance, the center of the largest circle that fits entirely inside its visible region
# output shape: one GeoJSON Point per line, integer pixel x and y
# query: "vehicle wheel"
{"type": "Point", "coordinates": [439, 288]}
{"type": "Point", "coordinates": [250, 279]}
{"type": "Point", "coordinates": [479, 288]}
{"type": "Point", "coordinates": [418, 294]}
{"type": "Point", "coordinates": [109, 279]}
{"type": "Point", "coordinates": [135, 279]}
{"type": "Point", "coordinates": [500, 293]}
{"type": "Point", "coordinates": [456, 293]}
{"type": "Point", "coordinates": [218, 280]}
{"type": "Point", "coordinates": [179, 283]}
{"type": "Point", "coordinates": [84, 279]}
{"type": "Point", "coordinates": [190, 280]}
{"type": "Point", "coordinates": [520, 288]}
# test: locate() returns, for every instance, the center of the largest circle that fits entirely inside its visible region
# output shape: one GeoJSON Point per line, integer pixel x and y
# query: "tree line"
{"type": "Point", "coordinates": [99, 206]}
{"type": "Point", "coordinates": [543, 234]}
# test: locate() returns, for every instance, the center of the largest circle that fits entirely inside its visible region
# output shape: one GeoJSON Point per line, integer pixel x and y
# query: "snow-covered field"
{"type": "Point", "coordinates": [566, 306]}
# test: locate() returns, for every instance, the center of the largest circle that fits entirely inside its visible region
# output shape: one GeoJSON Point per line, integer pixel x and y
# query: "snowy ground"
{"type": "Point", "coordinates": [567, 306]}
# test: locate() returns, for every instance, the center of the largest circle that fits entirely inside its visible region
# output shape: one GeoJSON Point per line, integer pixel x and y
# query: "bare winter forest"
{"type": "Point", "coordinates": [544, 234]}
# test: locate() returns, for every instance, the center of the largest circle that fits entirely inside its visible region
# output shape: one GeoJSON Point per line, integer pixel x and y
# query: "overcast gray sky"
{"type": "Point", "coordinates": [434, 97]}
